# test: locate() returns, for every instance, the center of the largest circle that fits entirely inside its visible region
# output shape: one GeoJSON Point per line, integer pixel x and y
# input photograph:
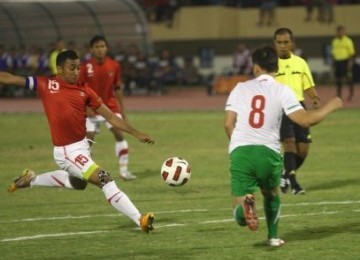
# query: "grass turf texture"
{"type": "Point", "coordinates": [193, 221]}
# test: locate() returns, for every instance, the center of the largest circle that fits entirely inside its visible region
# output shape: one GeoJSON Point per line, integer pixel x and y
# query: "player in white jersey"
{"type": "Point", "coordinates": [252, 123]}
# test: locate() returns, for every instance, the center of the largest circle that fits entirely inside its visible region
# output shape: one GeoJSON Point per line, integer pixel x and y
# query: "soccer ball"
{"type": "Point", "coordinates": [175, 171]}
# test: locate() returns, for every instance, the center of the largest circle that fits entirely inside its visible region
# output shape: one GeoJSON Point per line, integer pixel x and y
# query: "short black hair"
{"type": "Point", "coordinates": [97, 38]}
{"type": "Point", "coordinates": [66, 55]}
{"type": "Point", "coordinates": [340, 27]}
{"type": "Point", "coordinates": [266, 57]}
{"type": "Point", "coordinates": [282, 31]}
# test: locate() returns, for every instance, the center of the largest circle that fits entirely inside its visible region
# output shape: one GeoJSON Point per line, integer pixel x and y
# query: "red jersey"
{"type": "Point", "coordinates": [65, 107]}
{"type": "Point", "coordinates": [102, 78]}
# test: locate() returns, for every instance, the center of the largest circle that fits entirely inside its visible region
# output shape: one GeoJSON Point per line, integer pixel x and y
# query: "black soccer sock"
{"type": "Point", "coordinates": [299, 161]}
{"type": "Point", "coordinates": [292, 178]}
{"type": "Point", "coordinates": [289, 163]}
{"type": "Point", "coordinates": [338, 88]}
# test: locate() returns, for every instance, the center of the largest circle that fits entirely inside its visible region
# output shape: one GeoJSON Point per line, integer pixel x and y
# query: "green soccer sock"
{"type": "Point", "coordinates": [272, 212]}
{"type": "Point", "coordinates": [239, 215]}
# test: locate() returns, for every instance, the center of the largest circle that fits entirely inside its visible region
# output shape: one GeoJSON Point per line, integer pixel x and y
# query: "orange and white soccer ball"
{"type": "Point", "coordinates": [175, 171]}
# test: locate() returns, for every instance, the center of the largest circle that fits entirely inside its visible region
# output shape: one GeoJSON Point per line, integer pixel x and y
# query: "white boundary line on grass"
{"type": "Point", "coordinates": [39, 236]}
{"type": "Point", "coordinates": [175, 211]}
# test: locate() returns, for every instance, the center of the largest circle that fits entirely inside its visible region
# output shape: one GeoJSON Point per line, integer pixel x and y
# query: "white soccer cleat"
{"type": "Point", "coordinates": [127, 176]}
{"type": "Point", "coordinates": [275, 242]}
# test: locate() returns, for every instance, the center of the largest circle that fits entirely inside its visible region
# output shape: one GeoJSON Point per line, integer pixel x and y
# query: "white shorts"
{"type": "Point", "coordinates": [93, 123]}
{"type": "Point", "coordinates": [75, 159]}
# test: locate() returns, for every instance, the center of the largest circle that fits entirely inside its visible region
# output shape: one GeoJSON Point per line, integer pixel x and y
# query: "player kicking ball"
{"type": "Point", "coordinates": [252, 123]}
{"type": "Point", "coordinates": [65, 103]}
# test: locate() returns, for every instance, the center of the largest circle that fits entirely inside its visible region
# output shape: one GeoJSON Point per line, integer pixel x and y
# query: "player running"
{"type": "Point", "coordinates": [252, 123]}
{"type": "Point", "coordinates": [103, 75]}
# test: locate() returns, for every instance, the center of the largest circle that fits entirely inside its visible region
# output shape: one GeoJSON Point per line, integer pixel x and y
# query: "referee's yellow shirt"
{"type": "Point", "coordinates": [295, 73]}
{"type": "Point", "coordinates": [342, 48]}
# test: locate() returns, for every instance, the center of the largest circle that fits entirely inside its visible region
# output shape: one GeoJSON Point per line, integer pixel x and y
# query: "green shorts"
{"type": "Point", "coordinates": [254, 166]}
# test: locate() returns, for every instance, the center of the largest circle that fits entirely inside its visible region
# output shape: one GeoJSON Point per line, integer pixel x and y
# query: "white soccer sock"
{"type": "Point", "coordinates": [122, 153]}
{"type": "Point", "coordinates": [120, 201]}
{"type": "Point", "coordinates": [58, 178]}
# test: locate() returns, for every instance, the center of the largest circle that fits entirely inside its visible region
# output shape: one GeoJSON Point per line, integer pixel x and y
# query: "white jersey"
{"type": "Point", "coordinates": [259, 105]}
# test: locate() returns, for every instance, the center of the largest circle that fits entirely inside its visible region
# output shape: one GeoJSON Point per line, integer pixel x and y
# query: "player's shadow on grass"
{"type": "Point", "coordinates": [319, 232]}
{"type": "Point", "coordinates": [315, 233]}
{"type": "Point", "coordinates": [334, 184]}
{"type": "Point", "coordinates": [147, 173]}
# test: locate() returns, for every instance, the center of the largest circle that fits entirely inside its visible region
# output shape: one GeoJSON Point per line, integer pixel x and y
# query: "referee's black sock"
{"type": "Point", "coordinates": [289, 163]}
{"type": "Point", "coordinates": [292, 178]}
{"type": "Point", "coordinates": [299, 161]}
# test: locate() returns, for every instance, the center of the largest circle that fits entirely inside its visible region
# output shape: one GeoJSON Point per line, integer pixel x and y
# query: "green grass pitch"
{"type": "Point", "coordinates": [193, 221]}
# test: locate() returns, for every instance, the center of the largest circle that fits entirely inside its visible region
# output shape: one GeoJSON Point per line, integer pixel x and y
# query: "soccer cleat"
{"type": "Point", "coordinates": [275, 242]}
{"type": "Point", "coordinates": [297, 190]}
{"type": "Point", "coordinates": [146, 222]}
{"type": "Point", "coordinates": [284, 184]}
{"type": "Point", "coordinates": [251, 219]}
{"type": "Point", "coordinates": [22, 181]}
{"type": "Point", "coordinates": [127, 176]}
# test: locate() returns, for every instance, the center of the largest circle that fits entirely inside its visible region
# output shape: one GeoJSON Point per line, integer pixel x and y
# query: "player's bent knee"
{"type": "Point", "coordinates": [78, 184]}
{"type": "Point", "coordinates": [270, 193]}
{"type": "Point", "coordinates": [104, 178]}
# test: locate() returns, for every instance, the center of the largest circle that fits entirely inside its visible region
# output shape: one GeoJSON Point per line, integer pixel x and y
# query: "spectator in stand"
{"type": "Point", "coordinates": [166, 72]}
{"type": "Point", "coordinates": [129, 72]}
{"type": "Point", "coordinates": [120, 53]}
{"type": "Point", "coordinates": [12, 53]}
{"type": "Point", "coordinates": [5, 65]}
{"type": "Point", "coordinates": [329, 11]}
{"type": "Point", "coordinates": [42, 62]}
{"type": "Point", "coordinates": [22, 61]}
{"type": "Point", "coordinates": [164, 10]}
{"type": "Point", "coordinates": [310, 5]}
{"type": "Point", "coordinates": [142, 72]}
{"type": "Point", "coordinates": [59, 46]}
{"type": "Point", "coordinates": [267, 12]}
{"type": "Point", "coordinates": [242, 64]}
{"type": "Point", "coordinates": [5, 59]}
{"type": "Point", "coordinates": [85, 53]}
{"type": "Point", "coordinates": [190, 74]}
{"type": "Point", "coordinates": [149, 7]}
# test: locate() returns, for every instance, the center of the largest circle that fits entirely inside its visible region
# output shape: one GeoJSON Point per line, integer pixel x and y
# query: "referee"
{"type": "Point", "coordinates": [343, 53]}
{"type": "Point", "coordinates": [295, 73]}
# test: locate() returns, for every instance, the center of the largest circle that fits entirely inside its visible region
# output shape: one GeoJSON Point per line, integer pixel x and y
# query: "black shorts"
{"type": "Point", "coordinates": [290, 129]}
{"type": "Point", "coordinates": [341, 68]}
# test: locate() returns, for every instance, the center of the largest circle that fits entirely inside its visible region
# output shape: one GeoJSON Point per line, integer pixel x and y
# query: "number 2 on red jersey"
{"type": "Point", "coordinates": [256, 115]}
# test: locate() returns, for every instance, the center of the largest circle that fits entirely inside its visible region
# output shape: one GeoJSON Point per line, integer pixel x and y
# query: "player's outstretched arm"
{"type": "Point", "coordinates": [10, 79]}
{"type": "Point", "coordinates": [312, 117]}
{"type": "Point", "coordinates": [123, 125]}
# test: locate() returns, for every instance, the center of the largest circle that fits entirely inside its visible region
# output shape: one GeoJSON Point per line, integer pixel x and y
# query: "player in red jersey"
{"type": "Point", "coordinates": [66, 103]}
{"type": "Point", "coordinates": [103, 75]}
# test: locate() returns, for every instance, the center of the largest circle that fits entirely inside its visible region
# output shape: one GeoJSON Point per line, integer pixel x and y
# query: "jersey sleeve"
{"type": "Point", "coordinates": [308, 80]}
{"type": "Point", "coordinates": [94, 101]}
{"type": "Point", "coordinates": [118, 76]}
{"type": "Point", "coordinates": [231, 101]}
{"type": "Point", "coordinates": [82, 73]}
{"type": "Point", "coordinates": [37, 83]}
{"type": "Point", "coordinates": [351, 48]}
{"type": "Point", "coordinates": [289, 101]}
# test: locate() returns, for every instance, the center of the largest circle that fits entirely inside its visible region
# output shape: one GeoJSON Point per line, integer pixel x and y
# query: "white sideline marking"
{"type": "Point", "coordinates": [53, 235]}
{"type": "Point", "coordinates": [39, 236]}
{"type": "Point", "coordinates": [175, 211]}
